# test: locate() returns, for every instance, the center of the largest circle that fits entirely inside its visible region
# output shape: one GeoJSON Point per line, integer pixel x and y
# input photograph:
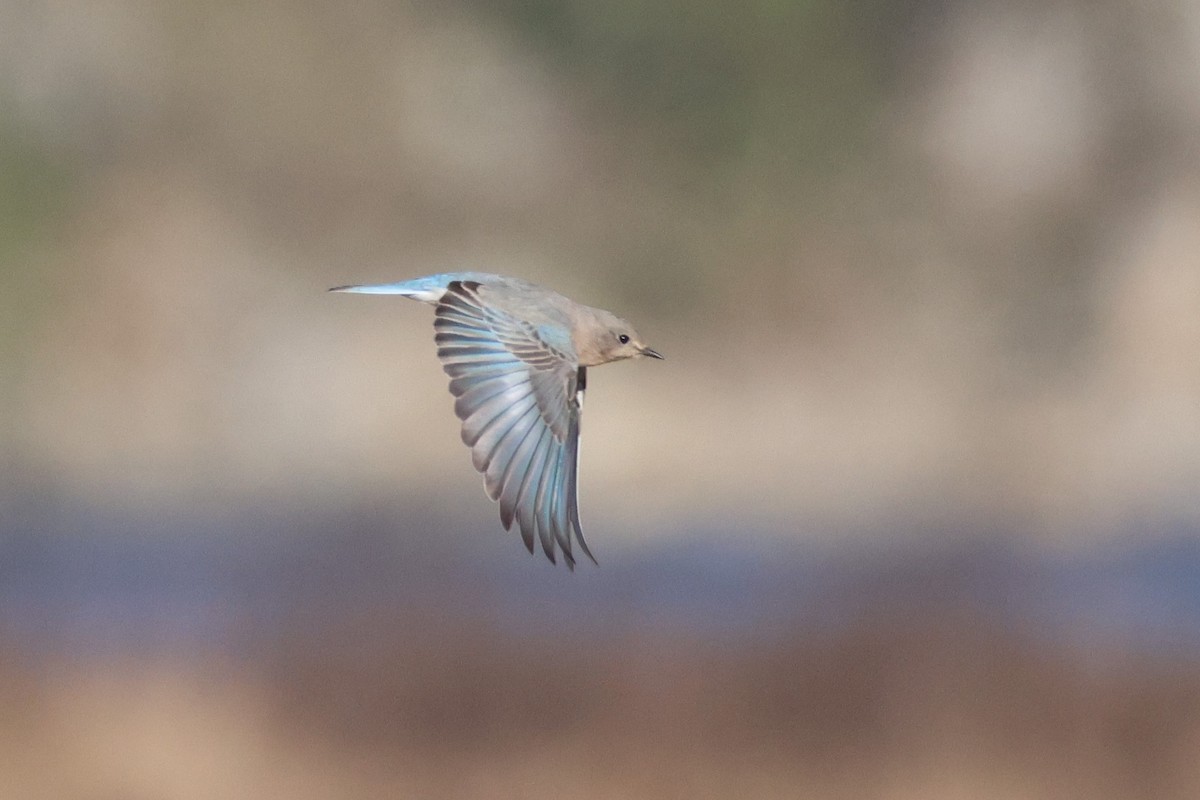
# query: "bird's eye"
{"type": "Point", "coordinates": [623, 339]}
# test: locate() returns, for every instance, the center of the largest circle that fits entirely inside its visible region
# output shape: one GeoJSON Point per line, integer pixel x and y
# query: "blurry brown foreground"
{"type": "Point", "coordinates": [886, 708]}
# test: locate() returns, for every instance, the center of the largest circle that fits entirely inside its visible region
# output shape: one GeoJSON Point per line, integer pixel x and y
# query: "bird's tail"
{"type": "Point", "coordinates": [428, 289]}
{"type": "Point", "coordinates": [404, 289]}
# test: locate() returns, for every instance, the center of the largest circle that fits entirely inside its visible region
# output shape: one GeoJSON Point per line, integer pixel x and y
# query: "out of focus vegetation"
{"type": "Point", "coordinates": [946, 249]}
{"type": "Point", "coordinates": [909, 511]}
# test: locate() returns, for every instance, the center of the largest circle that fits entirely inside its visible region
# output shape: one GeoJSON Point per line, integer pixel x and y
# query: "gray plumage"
{"type": "Point", "coordinates": [517, 355]}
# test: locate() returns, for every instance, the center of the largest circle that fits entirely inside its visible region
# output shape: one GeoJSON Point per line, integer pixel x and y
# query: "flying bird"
{"type": "Point", "coordinates": [517, 355]}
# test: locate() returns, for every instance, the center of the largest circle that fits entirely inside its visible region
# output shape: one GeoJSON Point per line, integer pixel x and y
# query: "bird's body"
{"type": "Point", "coordinates": [517, 355]}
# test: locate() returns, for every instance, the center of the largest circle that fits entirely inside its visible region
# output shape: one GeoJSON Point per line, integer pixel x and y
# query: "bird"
{"type": "Point", "coordinates": [517, 355]}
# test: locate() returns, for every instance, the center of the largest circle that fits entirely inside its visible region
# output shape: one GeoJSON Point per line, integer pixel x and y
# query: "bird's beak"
{"type": "Point", "coordinates": [646, 351]}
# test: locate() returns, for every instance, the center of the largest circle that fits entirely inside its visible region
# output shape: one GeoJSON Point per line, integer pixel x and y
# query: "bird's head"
{"type": "Point", "coordinates": [610, 338]}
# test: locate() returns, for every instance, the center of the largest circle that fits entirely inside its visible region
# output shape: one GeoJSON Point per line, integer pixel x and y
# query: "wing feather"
{"type": "Point", "coordinates": [517, 389]}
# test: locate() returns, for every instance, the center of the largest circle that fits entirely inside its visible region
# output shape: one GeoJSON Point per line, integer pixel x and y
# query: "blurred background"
{"type": "Point", "coordinates": [910, 511]}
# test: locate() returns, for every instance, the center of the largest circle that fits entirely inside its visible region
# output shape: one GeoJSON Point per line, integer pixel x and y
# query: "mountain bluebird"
{"type": "Point", "coordinates": [517, 355]}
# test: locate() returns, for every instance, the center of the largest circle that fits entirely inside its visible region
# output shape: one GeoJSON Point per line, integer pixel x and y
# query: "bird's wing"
{"type": "Point", "coordinates": [518, 390]}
